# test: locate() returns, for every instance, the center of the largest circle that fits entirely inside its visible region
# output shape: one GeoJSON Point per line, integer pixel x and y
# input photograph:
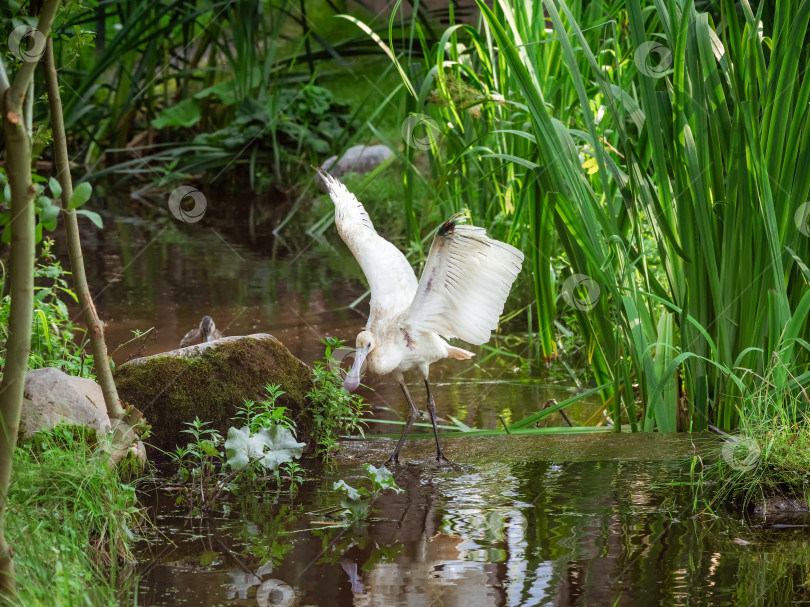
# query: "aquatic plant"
{"type": "Point", "coordinates": [357, 503]}
{"type": "Point", "coordinates": [199, 458]}
{"type": "Point", "coordinates": [265, 444]}
{"type": "Point", "coordinates": [265, 413]}
{"type": "Point", "coordinates": [335, 411]}
{"type": "Point", "coordinates": [267, 449]}
{"type": "Point", "coordinates": [768, 457]}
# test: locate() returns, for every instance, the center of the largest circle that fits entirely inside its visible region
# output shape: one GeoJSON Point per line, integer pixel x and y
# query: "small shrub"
{"type": "Point", "coordinates": [336, 412]}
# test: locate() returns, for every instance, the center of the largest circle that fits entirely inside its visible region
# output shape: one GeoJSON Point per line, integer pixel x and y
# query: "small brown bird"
{"type": "Point", "coordinates": [207, 331]}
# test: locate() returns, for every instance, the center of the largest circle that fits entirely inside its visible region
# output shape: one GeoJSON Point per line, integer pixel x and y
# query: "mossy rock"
{"type": "Point", "coordinates": [211, 381]}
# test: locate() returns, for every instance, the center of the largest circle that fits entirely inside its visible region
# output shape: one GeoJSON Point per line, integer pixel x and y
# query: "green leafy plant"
{"type": "Point", "coordinates": [294, 473]}
{"type": "Point", "coordinates": [56, 341]}
{"type": "Point", "coordinates": [268, 448]}
{"type": "Point", "coordinates": [200, 455]}
{"type": "Point", "coordinates": [357, 503]}
{"type": "Point", "coordinates": [336, 412]}
{"type": "Point", "coordinates": [47, 206]}
{"type": "Point", "coordinates": [265, 413]}
{"type": "Point", "coordinates": [214, 465]}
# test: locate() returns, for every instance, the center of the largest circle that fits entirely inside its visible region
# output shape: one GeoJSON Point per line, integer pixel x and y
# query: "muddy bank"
{"type": "Point", "coordinates": [533, 448]}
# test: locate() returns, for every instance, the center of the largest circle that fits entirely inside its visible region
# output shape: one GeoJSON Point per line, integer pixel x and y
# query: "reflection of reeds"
{"type": "Point", "coordinates": [671, 182]}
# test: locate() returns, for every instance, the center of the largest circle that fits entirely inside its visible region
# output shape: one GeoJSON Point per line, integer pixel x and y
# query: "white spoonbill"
{"type": "Point", "coordinates": [461, 293]}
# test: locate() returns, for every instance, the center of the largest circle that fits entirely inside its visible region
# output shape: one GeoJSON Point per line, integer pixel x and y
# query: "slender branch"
{"type": "Point", "coordinates": [124, 436]}
{"type": "Point", "coordinates": [16, 92]}
{"type": "Point", "coordinates": [21, 269]}
{"type": "Point", "coordinates": [95, 328]}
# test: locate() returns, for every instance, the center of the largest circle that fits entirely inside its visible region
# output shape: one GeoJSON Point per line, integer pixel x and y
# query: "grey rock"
{"type": "Point", "coordinates": [52, 396]}
{"type": "Point", "coordinates": [357, 159]}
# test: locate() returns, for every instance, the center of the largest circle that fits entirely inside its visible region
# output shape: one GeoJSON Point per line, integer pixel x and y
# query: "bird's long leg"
{"type": "Point", "coordinates": [432, 410]}
{"type": "Point", "coordinates": [411, 417]}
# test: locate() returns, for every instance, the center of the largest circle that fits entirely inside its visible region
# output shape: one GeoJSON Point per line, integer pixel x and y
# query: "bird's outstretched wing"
{"type": "Point", "coordinates": [389, 275]}
{"type": "Point", "coordinates": [465, 284]}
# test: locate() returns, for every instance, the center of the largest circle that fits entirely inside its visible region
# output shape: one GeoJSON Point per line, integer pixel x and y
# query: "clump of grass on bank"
{"type": "Point", "coordinates": [69, 522]}
{"type": "Point", "coordinates": [769, 457]}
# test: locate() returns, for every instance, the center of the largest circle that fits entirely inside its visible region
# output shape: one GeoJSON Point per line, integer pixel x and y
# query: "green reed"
{"type": "Point", "coordinates": [649, 161]}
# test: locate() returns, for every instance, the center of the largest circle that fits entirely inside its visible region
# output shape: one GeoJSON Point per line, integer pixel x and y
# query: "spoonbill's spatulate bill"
{"type": "Point", "coordinates": [464, 286]}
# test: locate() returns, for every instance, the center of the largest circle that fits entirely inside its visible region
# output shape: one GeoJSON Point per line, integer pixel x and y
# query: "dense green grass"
{"type": "Point", "coordinates": [70, 521]}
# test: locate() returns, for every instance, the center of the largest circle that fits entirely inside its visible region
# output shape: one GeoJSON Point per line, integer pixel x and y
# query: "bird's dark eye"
{"type": "Point", "coordinates": [368, 345]}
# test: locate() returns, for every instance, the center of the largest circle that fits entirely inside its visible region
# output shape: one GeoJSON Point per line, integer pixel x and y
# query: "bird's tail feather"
{"type": "Point", "coordinates": [458, 353]}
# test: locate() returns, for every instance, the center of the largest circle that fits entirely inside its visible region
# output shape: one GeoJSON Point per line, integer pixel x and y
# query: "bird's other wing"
{"type": "Point", "coordinates": [389, 275]}
{"type": "Point", "coordinates": [464, 285]}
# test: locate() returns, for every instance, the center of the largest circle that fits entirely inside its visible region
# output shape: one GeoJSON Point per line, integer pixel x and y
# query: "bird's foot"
{"type": "Point", "coordinates": [394, 459]}
{"type": "Point", "coordinates": [441, 459]}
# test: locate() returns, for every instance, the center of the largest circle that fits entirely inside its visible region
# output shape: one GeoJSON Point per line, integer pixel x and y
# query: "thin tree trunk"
{"type": "Point", "coordinates": [124, 436]}
{"type": "Point", "coordinates": [21, 268]}
{"type": "Point", "coordinates": [61, 163]}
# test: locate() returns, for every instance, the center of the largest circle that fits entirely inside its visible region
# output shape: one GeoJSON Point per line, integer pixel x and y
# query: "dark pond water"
{"type": "Point", "coordinates": [573, 520]}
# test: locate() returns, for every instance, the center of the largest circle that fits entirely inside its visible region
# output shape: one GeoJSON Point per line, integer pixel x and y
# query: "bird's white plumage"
{"type": "Point", "coordinates": [461, 293]}
{"type": "Point", "coordinates": [389, 275]}
{"type": "Point", "coordinates": [464, 285]}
